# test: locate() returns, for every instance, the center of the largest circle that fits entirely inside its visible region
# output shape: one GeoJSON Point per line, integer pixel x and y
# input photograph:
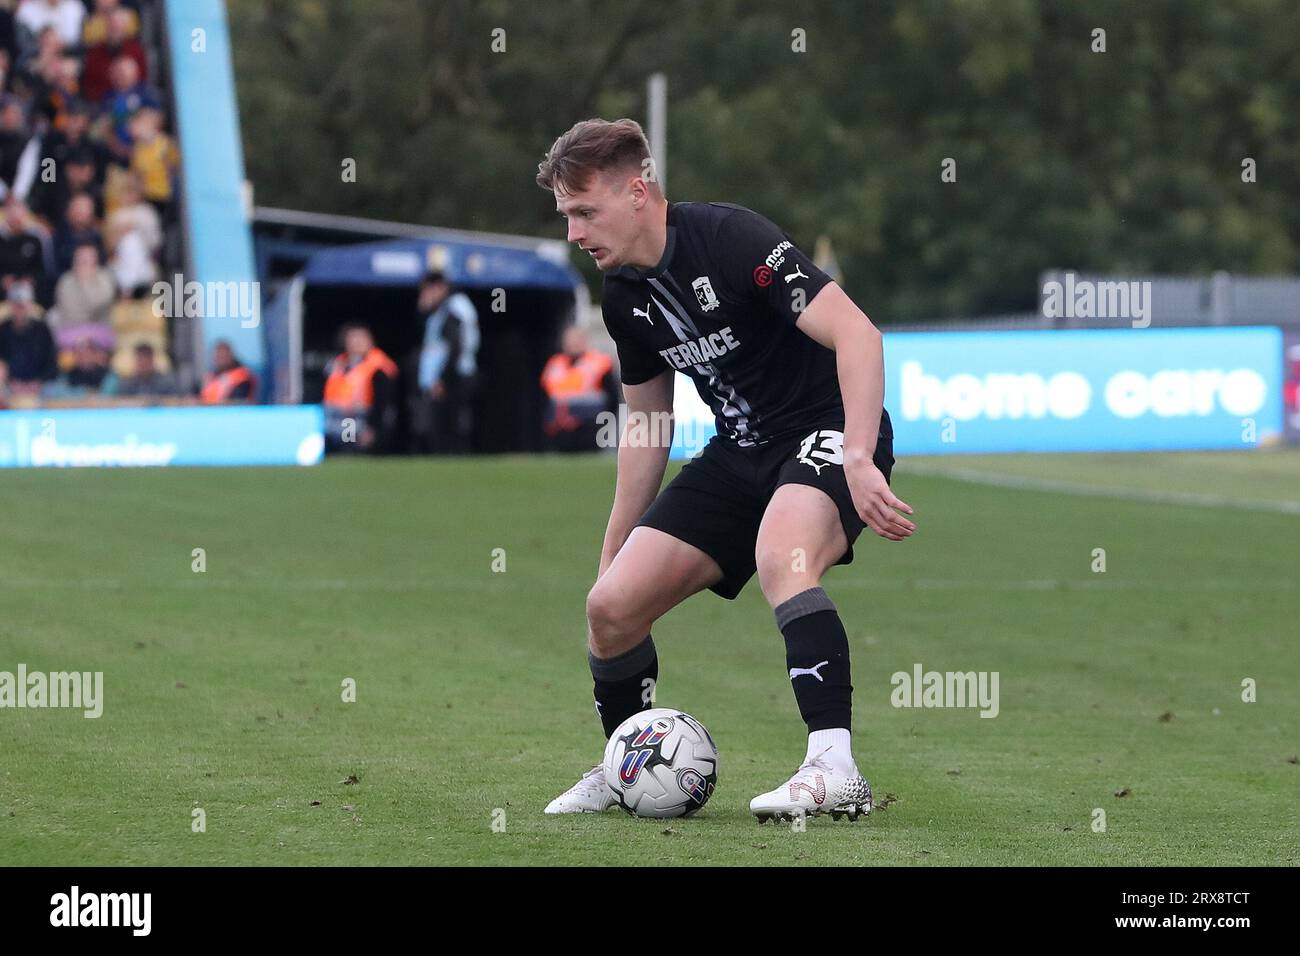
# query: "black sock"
{"type": "Point", "coordinates": [624, 684]}
{"type": "Point", "coordinates": [817, 656]}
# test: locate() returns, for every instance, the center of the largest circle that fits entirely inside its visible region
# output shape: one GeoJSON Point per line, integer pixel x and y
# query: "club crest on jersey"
{"type": "Point", "coordinates": [705, 294]}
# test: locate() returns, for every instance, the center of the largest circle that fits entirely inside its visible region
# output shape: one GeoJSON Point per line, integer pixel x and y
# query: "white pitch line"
{"type": "Point", "coordinates": [418, 587]}
{"type": "Point", "coordinates": [999, 480]}
{"type": "Point", "coordinates": [211, 582]}
{"type": "Point", "coordinates": [961, 584]}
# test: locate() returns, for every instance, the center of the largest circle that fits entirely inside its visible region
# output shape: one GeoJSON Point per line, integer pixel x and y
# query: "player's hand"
{"type": "Point", "coordinates": [438, 390]}
{"type": "Point", "coordinates": [875, 502]}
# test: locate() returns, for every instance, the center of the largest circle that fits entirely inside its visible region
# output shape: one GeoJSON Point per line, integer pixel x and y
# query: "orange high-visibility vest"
{"type": "Point", "coordinates": [568, 380]}
{"type": "Point", "coordinates": [218, 387]}
{"type": "Point", "coordinates": [355, 388]}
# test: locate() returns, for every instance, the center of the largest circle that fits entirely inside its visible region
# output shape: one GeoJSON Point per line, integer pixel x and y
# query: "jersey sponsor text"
{"type": "Point", "coordinates": [700, 351]}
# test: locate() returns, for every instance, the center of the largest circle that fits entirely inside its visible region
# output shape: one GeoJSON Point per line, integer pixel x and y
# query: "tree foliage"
{"type": "Point", "coordinates": [1128, 159]}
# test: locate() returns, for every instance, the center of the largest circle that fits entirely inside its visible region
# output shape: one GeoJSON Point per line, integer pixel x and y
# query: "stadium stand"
{"type": "Point", "coordinates": [88, 177]}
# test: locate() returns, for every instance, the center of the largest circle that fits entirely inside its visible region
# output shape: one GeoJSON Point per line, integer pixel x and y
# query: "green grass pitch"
{"type": "Point", "coordinates": [223, 689]}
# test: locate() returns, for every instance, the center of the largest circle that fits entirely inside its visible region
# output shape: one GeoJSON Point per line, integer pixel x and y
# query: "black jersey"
{"type": "Point", "coordinates": [721, 306]}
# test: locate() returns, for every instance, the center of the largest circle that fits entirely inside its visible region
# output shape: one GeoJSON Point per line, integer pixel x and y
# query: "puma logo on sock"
{"type": "Point", "coordinates": [810, 671]}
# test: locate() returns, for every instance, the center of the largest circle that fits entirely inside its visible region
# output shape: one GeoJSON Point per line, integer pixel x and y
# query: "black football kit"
{"type": "Point", "coordinates": [721, 307]}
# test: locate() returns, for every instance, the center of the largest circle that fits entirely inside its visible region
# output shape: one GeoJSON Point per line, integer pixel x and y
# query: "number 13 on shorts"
{"type": "Point", "coordinates": [825, 445]}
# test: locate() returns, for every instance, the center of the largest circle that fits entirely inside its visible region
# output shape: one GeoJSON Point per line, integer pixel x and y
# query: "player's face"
{"type": "Point", "coordinates": [601, 220]}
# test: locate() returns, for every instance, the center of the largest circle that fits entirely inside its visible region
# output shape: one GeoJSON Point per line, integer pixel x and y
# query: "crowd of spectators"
{"type": "Point", "coordinates": [88, 182]}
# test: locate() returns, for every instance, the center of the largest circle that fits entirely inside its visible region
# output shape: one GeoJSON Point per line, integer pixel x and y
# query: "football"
{"type": "Point", "coordinates": [661, 763]}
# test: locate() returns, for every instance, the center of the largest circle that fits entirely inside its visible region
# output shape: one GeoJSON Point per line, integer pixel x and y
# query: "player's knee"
{"type": "Point", "coordinates": [608, 619]}
{"type": "Point", "coordinates": [781, 568]}
{"type": "Point", "coordinates": [774, 561]}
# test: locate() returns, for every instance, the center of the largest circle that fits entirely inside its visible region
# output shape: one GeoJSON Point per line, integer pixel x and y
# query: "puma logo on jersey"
{"type": "Point", "coordinates": [700, 351]}
{"type": "Point", "coordinates": [809, 672]}
{"type": "Point", "coordinates": [644, 313]}
{"type": "Point", "coordinates": [797, 274]}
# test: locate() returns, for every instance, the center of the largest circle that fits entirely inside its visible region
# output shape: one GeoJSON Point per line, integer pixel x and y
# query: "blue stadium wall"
{"type": "Point", "coordinates": [218, 232]}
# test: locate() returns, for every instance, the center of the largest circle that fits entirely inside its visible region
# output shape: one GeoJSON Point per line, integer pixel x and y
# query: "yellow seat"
{"type": "Point", "coordinates": [136, 317]}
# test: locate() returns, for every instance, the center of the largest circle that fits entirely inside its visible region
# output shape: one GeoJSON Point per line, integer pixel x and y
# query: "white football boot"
{"type": "Point", "coordinates": [816, 788]}
{"type": "Point", "coordinates": [588, 795]}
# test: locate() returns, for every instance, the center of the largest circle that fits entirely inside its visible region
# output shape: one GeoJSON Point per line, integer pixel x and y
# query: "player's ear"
{"type": "Point", "coordinates": [636, 192]}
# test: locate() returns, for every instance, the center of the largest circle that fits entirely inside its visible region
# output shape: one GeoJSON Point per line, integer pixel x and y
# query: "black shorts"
{"type": "Point", "coordinates": [717, 500]}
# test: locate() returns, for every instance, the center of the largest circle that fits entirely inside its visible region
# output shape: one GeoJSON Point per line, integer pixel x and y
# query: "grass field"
{"type": "Point", "coordinates": [223, 688]}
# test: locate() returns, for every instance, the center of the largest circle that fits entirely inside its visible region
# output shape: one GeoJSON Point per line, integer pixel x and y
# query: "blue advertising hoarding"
{"type": "Point", "coordinates": [1077, 390]}
{"type": "Point", "coordinates": [190, 435]}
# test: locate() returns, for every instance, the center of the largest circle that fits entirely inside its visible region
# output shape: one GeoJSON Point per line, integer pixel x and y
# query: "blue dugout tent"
{"type": "Point", "coordinates": [524, 291]}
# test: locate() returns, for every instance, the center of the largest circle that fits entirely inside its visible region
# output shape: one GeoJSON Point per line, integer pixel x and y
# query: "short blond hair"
{"type": "Point", "coordinates": [590, 147]}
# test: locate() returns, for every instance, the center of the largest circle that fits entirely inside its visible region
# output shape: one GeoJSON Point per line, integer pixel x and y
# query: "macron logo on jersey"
{"type": "Point", "coordinates": [700, 351]}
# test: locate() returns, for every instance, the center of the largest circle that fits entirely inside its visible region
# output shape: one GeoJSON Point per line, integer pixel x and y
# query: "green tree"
{"type": "Point", "coordinates": [1128, 159]}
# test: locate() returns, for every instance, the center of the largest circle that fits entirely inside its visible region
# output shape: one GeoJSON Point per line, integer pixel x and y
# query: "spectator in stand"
{"type": "Point", "coordinates": [230, 382]}
{"type": "Point", "coordinates": [19, 150]}
{"type": "Point", "coordinates": [95, 29]}
{"type": "Point", "coordinates": [7, 304]}
{"type": "Point", "coordinates": [121, 26]}
{"type": "Point", "coordinates": [50, 201]}
{"type": "Point", "coordinates": [74, 140]}
{"type": "Point", "coordinates": [90, 373]}
{"type": "Point", "coordinates": [4, 384]}
{"type": "Point", "coordinates": [23, 250]}
{"type": "Point", "coordinates": [78, 177]}
{"type": "Point", "coordinates": [580, 384]}
{"type": "Point", "coordinates": [78, 228]}
{"type": "Point", "coordinates": [6, 68]}
{"type": "Point", "coordinates": [154, 157]}
{"type": "Point", "coordinates": [59, 87]}
{"type": "Point", "coordinates": [84, 294]}
{"type": "Point", "coordinates": [65, 16]}
{"type": "Point", "coordinates": [133, 237]}
{"type": "Point", "coordinates": [360, 396]}
{"type": "Point", "coordinates": [33, 60]}
{"type": "Point", "coordinates": [26, 345]}
{"type": "Point", "coordinates": [146, 380]}
{"type": "Point", "coordinates": [127, 96]}
{"type": "Point", "coordinates": [14, 136]}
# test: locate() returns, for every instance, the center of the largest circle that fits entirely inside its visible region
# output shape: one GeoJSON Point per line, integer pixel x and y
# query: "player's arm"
{"type": "Point", "coordinates": [641, 466]}
{"type": "Point", "coordinates": [832, 320]}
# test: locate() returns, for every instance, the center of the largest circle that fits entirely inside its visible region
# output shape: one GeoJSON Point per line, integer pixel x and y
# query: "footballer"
{"type": "Point", "coordinates": [794, 374]}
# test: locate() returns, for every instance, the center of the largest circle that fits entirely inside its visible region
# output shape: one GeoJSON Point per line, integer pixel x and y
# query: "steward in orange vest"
{"type": "Point", "coordinates": [579, 383]}
{"type": "Point", "coordinates": [230, 382]}
{"type": "Point", "coordinates": [359, 392]}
